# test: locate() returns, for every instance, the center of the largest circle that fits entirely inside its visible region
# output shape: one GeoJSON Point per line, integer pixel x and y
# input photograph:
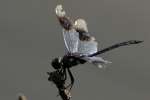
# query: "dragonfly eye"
{"type": "Point", "coordinates": [56, 63]}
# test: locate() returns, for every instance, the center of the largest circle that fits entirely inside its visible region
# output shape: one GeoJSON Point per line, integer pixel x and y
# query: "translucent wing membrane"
{"type": "Point", "coordinates": [71, 39]}
{"type": "Point", "coordinates": [75, 45]}
{"type": "Point", "coordinates": [97, 61]}
{"type": "Point", "coordinates": [87, 47]}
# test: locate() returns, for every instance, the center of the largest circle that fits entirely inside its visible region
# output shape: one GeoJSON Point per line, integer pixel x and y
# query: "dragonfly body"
{"type": "Point", "coordinates": [67, 61]}
{"type": "Point", "coordinates": [71, 61]}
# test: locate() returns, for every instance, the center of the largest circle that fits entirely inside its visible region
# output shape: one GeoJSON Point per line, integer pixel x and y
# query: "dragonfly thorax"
{"type": "Point", "coordinates": [69, 61]}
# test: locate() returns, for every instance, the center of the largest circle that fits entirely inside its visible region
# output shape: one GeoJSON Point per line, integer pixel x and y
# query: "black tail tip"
{"type": "Point", "coordinates": [136, 41]}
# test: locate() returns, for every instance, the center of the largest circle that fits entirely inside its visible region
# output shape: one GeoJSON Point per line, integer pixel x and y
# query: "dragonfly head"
{"type": "Point", "coordinates": [56, 63]}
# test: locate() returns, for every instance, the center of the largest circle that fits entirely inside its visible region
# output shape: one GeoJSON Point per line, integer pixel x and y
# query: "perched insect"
{"type": "Point", "coordinates": [57, 78]}
{"type": "Point", "coordinates": [81, 46]}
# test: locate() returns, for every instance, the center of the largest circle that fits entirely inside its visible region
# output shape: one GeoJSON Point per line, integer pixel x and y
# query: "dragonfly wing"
{"type": "Point", "coordinates": [98, 61]}
{"type": "Point", "coordinates": [87, 47]}
{"type": "Point", "coordinates": [71, 39]}
{"type": "Point", "coordinates": [87, 44]}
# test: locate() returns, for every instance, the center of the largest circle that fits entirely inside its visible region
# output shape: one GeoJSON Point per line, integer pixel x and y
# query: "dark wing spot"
{"type": "Point", "coordinates": [85, 37]}
{"type": "Point", "coordinates": [65, 23]}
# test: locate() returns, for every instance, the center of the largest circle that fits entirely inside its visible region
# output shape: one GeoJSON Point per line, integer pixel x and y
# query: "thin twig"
{"type": "Point", "coordinates": [22, 97]}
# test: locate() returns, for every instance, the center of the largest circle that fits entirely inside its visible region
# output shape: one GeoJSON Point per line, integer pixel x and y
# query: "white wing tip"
{"type": "Point", "coordinates": [108, 62]}
{"type": "Point", "coordinates": [100, 66]}
{"type": "Point", "coordinates": [59, 11]}
{"type": "Point", "coordinates": [80, 24]}
{"type": "Point", "coordinates": [103, 65]}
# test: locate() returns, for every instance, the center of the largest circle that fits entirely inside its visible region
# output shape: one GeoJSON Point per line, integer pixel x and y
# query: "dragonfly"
{"type": "Point", "coordinates": [81, 46]}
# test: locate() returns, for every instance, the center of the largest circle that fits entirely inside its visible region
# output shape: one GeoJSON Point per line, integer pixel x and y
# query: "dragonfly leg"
{"type": "Point", "coordinates": [72, 79]}
{"type": "Point", "coordinates": [64, 74]}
